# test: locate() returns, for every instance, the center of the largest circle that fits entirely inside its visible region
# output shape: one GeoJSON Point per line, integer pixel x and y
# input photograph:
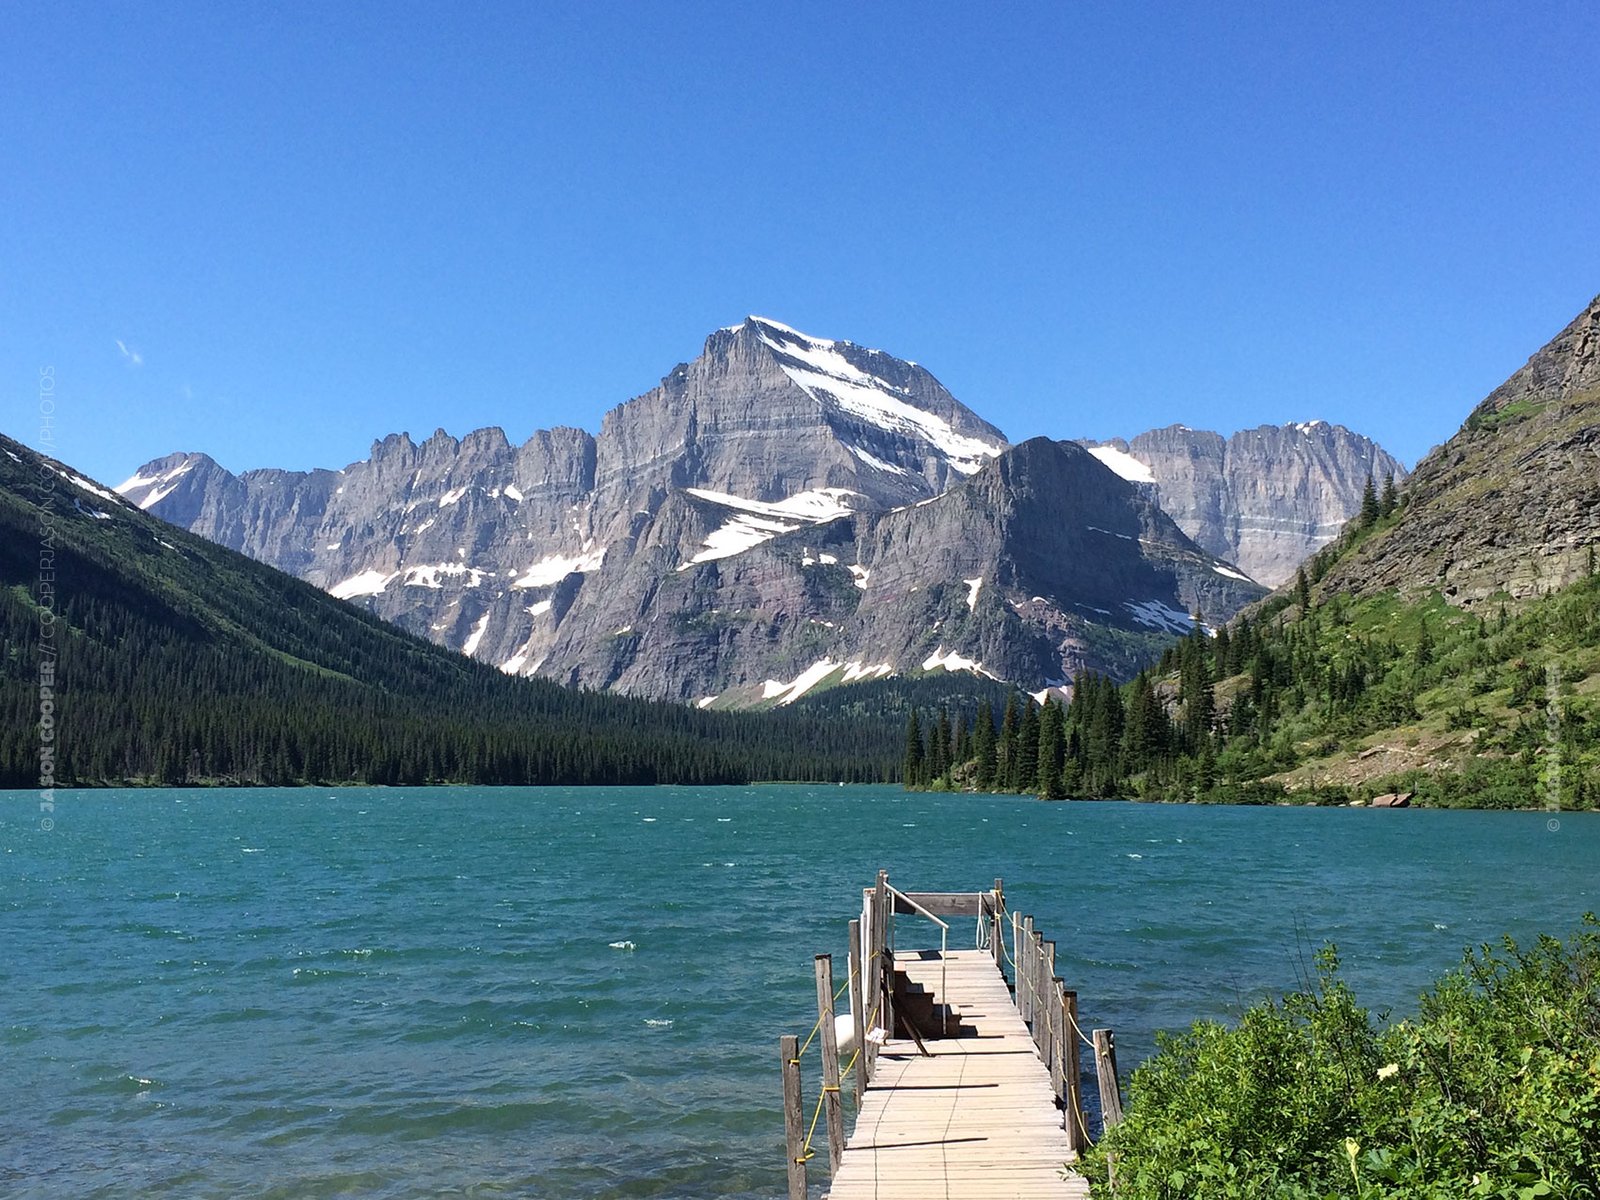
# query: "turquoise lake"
{"type": "Point", "coordinates": [552, 993]}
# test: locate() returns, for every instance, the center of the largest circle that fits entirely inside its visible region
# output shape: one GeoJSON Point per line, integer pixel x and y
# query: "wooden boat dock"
{"type": "Point", "coordinates": [966, 1082]}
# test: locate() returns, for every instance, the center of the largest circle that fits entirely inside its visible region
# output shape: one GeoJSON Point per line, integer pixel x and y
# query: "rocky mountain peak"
{"type": "Point", "coordinates": [1508, 506]}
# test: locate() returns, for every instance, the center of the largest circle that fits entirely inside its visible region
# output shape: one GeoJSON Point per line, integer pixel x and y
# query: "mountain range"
{"type": "Point", "coordinates": [784, 513]}
{"type": "Point", "coordinates": [1443, 650]}
{"type": "Point", "coordinates": [168, 659]}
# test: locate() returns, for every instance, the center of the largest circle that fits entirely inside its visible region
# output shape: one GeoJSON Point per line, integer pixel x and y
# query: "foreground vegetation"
{"type": "Point", "coordinates": [1491, 1090]}
{"type": "Point", "coordinates": [1334, 702]}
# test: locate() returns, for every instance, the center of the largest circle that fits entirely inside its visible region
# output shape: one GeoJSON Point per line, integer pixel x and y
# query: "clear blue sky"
{"type": "Point", "coordinates": [318, 225]}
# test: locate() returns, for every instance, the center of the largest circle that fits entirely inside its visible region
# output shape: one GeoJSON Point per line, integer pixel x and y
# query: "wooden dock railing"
{"type": "Point", "coordinates": [932, 1006]}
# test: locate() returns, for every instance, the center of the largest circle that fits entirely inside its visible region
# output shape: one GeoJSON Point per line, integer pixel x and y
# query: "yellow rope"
{"type": "Point", "coordinates": [850, 977]}
{"type": "Point", "coordinates": [810, 1133]}
{"type": "Point", "coordinates": [1034, 992]}
{"type": "Point", "coordinates": [1077, 1083]}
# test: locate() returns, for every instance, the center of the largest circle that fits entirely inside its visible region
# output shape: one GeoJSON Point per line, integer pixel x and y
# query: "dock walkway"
{"type": "Point", "coordinates": [967, 1082]}
{"type": "Point", "coordinates": [977, 1119]}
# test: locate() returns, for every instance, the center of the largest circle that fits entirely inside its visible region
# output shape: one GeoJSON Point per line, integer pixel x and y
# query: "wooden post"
{"type": "Point", "coordinates": [1057, 1058]}
{"type": "Point", "coordinates": [1041, 1021]}
{"type": "Point", "coordinates": [1025, 972]}
{"type": "Point", "coordinates": [794, 1121]}
{"type": "Point", "coordinates": [883, 903]}
{"type": "Point", "coordinates": [1041, 1006]}
{"type": "Point", "coordinates": [1016, 961]}
{"type": "Point", "coordinates": [1105, 1059]}
{"type": "Point", "coordinates": [858, 1012]}
{"type": "Point", "coordinates": [832, 1102]}
{"type": "Point", "coordinates": [1076, 1136]}
{"type": "Point", "coordinates": [996, 938]}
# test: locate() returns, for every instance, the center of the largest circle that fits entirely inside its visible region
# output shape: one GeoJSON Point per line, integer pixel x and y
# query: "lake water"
{"type": "Point", "coordinates": [550, 993]}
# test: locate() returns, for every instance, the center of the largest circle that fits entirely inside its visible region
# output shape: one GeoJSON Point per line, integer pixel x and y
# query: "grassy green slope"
{"type": "Point", "coordinates": [1378, 693]}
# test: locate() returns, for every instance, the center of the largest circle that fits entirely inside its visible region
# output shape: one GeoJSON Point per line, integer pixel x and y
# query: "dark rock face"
{"type": "Point", "coordinates": [1511, 503]}
{"type": "Point", "coordinates": [781, 512]}
{"type": "Point", "coordinates": [1265, 498]}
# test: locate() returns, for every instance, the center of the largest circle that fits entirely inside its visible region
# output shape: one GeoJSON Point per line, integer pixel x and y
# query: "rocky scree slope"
{"type": "Point", "coordinates": [1509, 506]}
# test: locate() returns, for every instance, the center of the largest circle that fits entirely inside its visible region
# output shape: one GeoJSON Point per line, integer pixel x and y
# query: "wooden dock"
{"type": "Point", "coordinates": [978, 1118]}
{"type": "Point", "coordinates": [966, 1082]}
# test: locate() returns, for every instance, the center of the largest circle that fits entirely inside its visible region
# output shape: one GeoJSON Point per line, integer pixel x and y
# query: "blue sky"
{"type": "Point", "coordinates": [277, 235]}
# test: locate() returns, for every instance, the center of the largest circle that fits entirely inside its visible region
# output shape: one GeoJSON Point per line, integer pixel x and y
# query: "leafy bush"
{"type": "Point", "coordinates": [1493, 1090]}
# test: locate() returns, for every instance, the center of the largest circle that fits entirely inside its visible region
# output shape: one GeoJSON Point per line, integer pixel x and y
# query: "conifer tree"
{"type": "Point", "coordinates": [1199, 701]}
{"type": "Point", "coordinates": [1051, 746]}
{"type": "Point", "coordinates": [1391, 496]}
{"type": "Point", "coordinates": [912, 767]}
{"type": "Point", "coordinates": [1369, 504]}
{"type": "Point", "coordinates": [983, 748]}
{"type": "Point", "coordinates": [939, 746]}
{"type": "Point", "coordinates": [1006, 751]}
{"type": "Point", "coordinates": [1026, 770]}
{"type": "Point", "coordinates": [1302, 591]}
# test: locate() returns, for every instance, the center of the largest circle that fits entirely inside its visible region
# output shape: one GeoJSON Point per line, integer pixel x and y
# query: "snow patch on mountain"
{"type": "Point", "coordinates": [471, 644]}
{"type": "Point", "coordinates": [160, 484]}
{"type": "Point", "coordinates": [553, 568]}
{"type": "Point", "coordinates": [1123, 463]}
{"type": "Point", "coordinates": [368, 583]}
{"type": "Point", "coordinates": [972, 591]}
{"type": "Point", "coordinates": [1157, 615]}
{"type": "Point", "coordinates": [757, 521]}
{"type": "Point", "coordinates": [951, 661]}
{"type": "Point", "coordinates": [428, 576]}
{"type": "Point", "coordinates": [873, 460]}
{"type": "Point", "coordinates": [849, 672]}
{"type": "Point", "coordinates": [826, 375]}
{"type": "Point", "coordinates": [818, 504]}
{"type": "Point", "coordinates": [788, 693]}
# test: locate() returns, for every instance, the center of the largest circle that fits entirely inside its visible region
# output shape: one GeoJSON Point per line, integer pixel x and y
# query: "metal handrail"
{"type": "Point", "coordinates": [944, 935]}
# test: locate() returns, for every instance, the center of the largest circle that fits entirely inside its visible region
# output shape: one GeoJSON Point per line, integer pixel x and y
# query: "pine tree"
{"type": "Point", "coordinates": [1423, 655]}
{"type": "Point", "coordinates": [983, 748]}
{"type": "Point", "coordinates": [939, 747]}
{"type": "Point", "coordinates": [1391, 496]}
{"type": "Point", "coordinates": [1006, 750]}
{"type": "Point", "coordinates": [1369, 505]}
{"type": "Point", "coordinates": [911, 770]}
{"type": "Point", "coordinates": [1302, 591]}
{"type": "Point", "coordinates": [1025, 775]}
{"type": "Point", "coordinates": [1052, 744]}
{"type": "Point", "coordinates": [1196, 691]}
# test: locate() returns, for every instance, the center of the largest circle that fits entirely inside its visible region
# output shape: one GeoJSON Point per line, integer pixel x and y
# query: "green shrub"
{"type": "Point", "coordinates": [1493, 1090]}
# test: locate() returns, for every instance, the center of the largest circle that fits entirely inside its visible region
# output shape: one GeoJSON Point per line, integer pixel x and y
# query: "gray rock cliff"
{"type": "Point", "coordinates": [1265, 498]}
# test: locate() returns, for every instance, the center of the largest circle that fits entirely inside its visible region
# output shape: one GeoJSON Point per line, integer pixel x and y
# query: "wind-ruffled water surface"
{"type": "Point", "coordinates": [552, 992]}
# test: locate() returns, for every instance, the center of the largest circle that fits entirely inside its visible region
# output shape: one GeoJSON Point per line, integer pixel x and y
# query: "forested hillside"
{"type": "Point", "coordinates": [176, 661]}
{"type": "Point", "coordinates": [1333, 701]}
